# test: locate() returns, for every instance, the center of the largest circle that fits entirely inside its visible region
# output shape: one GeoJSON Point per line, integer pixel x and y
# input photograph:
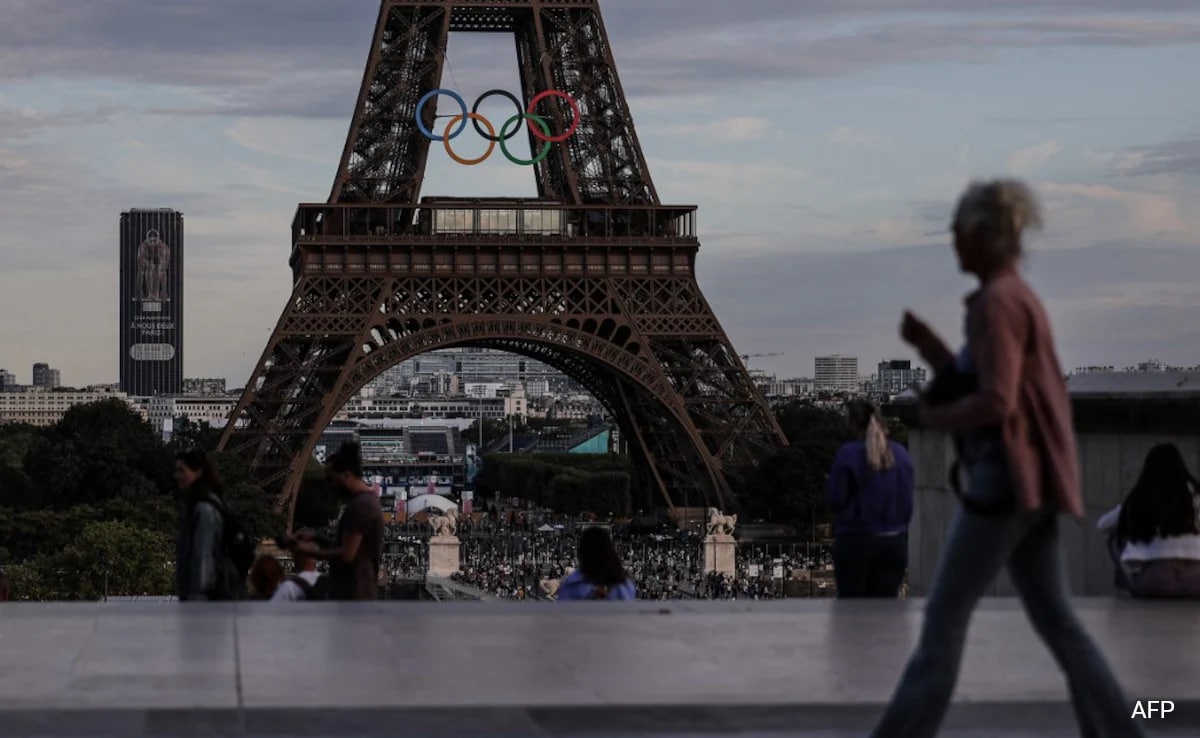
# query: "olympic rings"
{"type": "Point", "coordinates": [491, 139]}
{"type": "Point", "coordinates": [517, 119]}
{"type": "Point", "coordinates": [533, 110]}
{"type": "Point", "coordinates": [533, 122]}
{"type": "Point", "coordinates": [479, 101]}
{"type": "Point", "coordinates": [421, 106]}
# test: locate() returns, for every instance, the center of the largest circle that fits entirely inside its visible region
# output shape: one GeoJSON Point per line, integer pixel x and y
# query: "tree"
{"type": "Point", "coordinates": [789, 486]}
{"type": "Point", "coordinates": [188, 434]}
{"type": "Point", "coordinates": [245, 499]}
{"type": "Point", "coordinates": [16, 490]}
{"type": "Point", "coordinates": [115, 558]}
{"type": "Point", "coordinates": [316, 503]}
{"type": "Point", "coordinates": [97, 452]}
{"type": "Point", "coordinates": [493, 430]}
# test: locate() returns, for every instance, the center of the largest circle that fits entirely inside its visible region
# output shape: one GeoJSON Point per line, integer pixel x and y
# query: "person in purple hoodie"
{"type": "Point", "coordinates": [870, 491]}
{"type": "Point", "coordinates": [600, 575]}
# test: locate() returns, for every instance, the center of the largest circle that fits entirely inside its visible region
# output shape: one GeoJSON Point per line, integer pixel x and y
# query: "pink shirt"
{"type": "Point", "coordinates": [1022, 391]}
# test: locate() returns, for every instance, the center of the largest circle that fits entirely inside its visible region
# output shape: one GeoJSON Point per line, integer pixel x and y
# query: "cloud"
{"type": "Point", "coordinates": [1111, 304]}
{"type": "Point", "coordinates": [286, 138]}
{"type": "Point", "coordinates": [308, 63]}
{"type": "Point", "coordinates": [1180, 157]}
{"type": "Point", "coordinates": [1148, 213]}
{"type": "Point", "coordinates": [848, 136]}
{"type": "Point", "coordinates": [1030, 159]}
{"type": "Point", "coordinates": [740, 128]}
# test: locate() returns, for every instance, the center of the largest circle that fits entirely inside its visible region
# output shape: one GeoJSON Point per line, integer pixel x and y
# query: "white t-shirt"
{"type": "Point", "coordinates": [289, 591]}
{"type": "Point", "coordinates": [1175, 547]}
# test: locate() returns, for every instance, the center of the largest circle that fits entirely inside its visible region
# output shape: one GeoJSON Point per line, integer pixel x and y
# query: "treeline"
{"type": "Point", "coordinates": [786, 487]}
{"type": "Point", "coordinates": [88, 506]}
{"type": "Point", "coordinates": [568, 483]}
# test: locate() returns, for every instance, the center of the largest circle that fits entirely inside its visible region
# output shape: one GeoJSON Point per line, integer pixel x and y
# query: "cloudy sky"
{"type": "Point", "coordinates": [824, 141]}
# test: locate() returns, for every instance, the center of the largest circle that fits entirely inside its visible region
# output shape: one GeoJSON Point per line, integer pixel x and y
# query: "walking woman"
{"type": "Point", "coordinates": [600, 575]}
{"type": "Point", "coordinates": [870, 491]}
{"type": "Point", "coordinates": [1012, 421]}
{"type": "Point", "coordinates": [199, 573]}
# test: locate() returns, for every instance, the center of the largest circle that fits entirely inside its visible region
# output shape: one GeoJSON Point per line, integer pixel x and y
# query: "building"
{"type": "Point", "coordinates": [204, 388]}
{"type": "Point", "coordinates": [43, 407]}
{"type": "Point", "coordinates": [8, 381]}
{"type": "Point", "coordinates": [151, 277]}
{"type": "Point", "coordinates": [897, 375]}
{"type": "Point", "coordinates": [163, 411]}
{"type": "Point", "coordinates": [836, 374]}
{"type": "Point", "coordinates": [510, 402]}
{"type": "Point", "coordinates": [44, 376]}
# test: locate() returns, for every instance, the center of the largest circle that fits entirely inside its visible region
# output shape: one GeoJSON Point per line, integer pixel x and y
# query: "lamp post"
{"type": "Point", "coordinates": [479, 394]}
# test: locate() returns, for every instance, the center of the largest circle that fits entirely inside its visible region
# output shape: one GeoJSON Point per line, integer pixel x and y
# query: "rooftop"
{"type": "Point", "coordinates": [790, 668]}
{"type": "Point", "coordinates": [1174, 385]}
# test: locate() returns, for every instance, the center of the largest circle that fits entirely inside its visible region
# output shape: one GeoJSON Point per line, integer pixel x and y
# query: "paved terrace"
{"type": "Point", "coordinates": [791, 668]}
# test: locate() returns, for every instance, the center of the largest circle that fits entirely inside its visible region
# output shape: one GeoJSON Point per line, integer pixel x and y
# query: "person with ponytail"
{"type": "Point", "coordinates": [870, 492]}
{"type": "Point", "coordinates": [1018, 469]}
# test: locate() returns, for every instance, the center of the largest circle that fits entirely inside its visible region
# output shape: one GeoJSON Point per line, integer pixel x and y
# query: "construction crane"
{"type": "Point", "coordinates": [748, 357]}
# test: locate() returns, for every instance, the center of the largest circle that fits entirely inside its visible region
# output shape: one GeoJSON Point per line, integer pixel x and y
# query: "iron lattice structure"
{"type": "Point", "coordinates": [595, 277]}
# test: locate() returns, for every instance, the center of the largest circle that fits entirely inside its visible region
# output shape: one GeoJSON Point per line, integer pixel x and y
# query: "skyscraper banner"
{"type": "Point", "coordinates": [151, 265]}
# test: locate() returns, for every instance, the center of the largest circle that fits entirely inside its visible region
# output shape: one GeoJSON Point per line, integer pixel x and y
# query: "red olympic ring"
{"type": "Point", "coordinates": [532, 110]}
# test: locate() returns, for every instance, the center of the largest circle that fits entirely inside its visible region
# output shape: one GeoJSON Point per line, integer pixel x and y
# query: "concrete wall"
{"type": "Point", "coordinates": [1110, 459]}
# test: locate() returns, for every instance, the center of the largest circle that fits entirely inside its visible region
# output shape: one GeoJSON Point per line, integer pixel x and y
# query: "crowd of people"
{"type": "Point", "coordinates": [521, 564]}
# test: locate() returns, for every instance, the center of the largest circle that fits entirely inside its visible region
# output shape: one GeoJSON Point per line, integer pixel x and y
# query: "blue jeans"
{"type": "Point", "coordinates": [977, 547]}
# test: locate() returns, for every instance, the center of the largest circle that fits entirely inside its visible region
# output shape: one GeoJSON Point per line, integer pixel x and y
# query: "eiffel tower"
{"type": "Point", "coordinates": [595, 276]}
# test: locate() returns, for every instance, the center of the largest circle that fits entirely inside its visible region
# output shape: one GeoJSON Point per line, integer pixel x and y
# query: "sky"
{"type": "Point", "coordinates": [824, 141]}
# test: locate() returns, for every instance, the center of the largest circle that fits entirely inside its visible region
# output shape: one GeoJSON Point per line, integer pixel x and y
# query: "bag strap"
{"type": "Point", "coordinates": [302, 583]}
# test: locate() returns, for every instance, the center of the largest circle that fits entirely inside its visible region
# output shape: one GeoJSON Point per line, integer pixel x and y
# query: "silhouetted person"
{"type": "Point", "coordinates": [870, 491]}
{"type": "Point", "coordinates": [199, 573]}
{"type": "Point", "coordinates": [357, 554]}
{"type": "Point", "coordinates": [1157, 528]}
{"type": "Point", "coordinates": [600, 575]}
{"type": "Point", "coordinates": [5, 590]}
{"type": "Point", "coordinates": [1012, 422]}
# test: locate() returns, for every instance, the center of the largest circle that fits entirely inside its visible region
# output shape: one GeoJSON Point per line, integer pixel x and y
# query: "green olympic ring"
{"type": "Point", "coordinates": [545, 130]}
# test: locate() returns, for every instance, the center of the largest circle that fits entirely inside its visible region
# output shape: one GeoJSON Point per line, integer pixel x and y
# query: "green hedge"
{"type": "Point", "coordinates": [566, 483]}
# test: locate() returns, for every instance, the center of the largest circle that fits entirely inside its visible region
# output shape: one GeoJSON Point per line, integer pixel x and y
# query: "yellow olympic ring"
{"type": "Point", "coordinates": [491, 143]}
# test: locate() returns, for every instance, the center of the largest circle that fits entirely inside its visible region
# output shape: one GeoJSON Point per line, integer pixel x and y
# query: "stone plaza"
{"type": "Point", "coordinates": [785, 668]}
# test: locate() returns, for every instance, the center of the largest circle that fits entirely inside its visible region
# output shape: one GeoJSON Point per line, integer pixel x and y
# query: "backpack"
{"type": "Point", "coordinates": [312, 592]}
{"type": "Point", "coordinates": [236, 556]}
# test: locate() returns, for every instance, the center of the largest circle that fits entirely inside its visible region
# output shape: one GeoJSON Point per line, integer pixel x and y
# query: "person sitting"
{"type": "Point", "coordinates": [305, 584]}
{"type": "Point", "coordinates": [265, 576]}
{"type": "Point", "coordinates": [600, 575]}
{"type": "Point", "coordinates": [1155, 532]}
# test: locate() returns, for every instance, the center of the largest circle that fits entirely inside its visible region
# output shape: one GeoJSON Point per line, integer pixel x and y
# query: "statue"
{"type": "Point", "coordinates": [153, 262]}
{"type": "Point", "coordinates": [720, 525]}
{"type": "Point", "coordinates": [444, 526]}
{"type": "Point", "coordinates": [444, 558]}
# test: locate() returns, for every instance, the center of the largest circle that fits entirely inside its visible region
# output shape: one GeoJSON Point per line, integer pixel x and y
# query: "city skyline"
{"type": "Point", "coordinates": [824, 191]}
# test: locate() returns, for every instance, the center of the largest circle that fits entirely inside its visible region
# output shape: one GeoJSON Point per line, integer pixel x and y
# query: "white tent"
{"type": "Point", "coordinates": [437, 502]}
{"type": "Point", "coordinates": [546, 528]}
